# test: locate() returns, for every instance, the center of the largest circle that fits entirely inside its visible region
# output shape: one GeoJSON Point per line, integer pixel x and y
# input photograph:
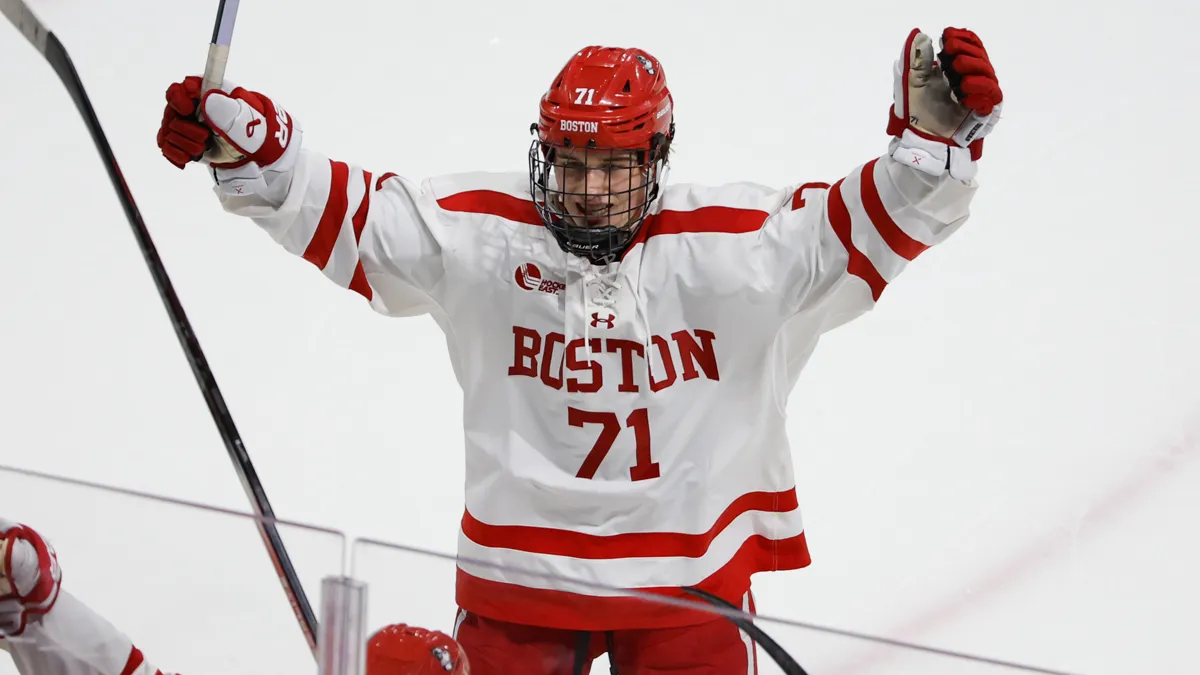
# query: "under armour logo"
{"type": "Point", "coordinates": [608, 321]}
{"type": "Point", "coordinates": [250, 127]}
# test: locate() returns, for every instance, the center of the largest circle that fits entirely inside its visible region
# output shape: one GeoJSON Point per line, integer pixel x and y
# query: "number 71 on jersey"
{"type": "Point", "coordinates": [638, 421]}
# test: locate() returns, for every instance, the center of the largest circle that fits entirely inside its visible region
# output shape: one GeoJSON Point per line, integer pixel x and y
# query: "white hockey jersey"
{"type": "Point", "coordinates": [624, 425]}
{"type": "Point", "coordinates": [71, 639]}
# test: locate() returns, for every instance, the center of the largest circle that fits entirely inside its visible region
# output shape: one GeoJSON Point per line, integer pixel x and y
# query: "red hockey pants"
{"type": "Point", "coordinates": [493, 647]}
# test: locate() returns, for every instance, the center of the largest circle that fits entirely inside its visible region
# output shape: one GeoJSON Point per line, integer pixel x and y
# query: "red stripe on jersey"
{"type": "Point", "coordinates": [725, 219]}
{"type": "Point", "coordinates": [133, 662]}
{"type": "Point", "coordinates": [577, 611]}
{"type": "Point", "coordinates": [705, 219]}
{"type": "Point", "coordinates": [858, 265]}
{"type": "Point", "coordinates": [379, 183]}
{"type": "Point", "coordinates": [358, 282]}
{"type": "Point", "coordinates": [320, 247]}
{"type": "Point", "coordinates": [551, 541]}
{"type": "Point", "coordinates": [359, 220]}
{"type": "Point", "coordinates": [493, 203]}
{"type": "Point", "coordinates": [904, 246]}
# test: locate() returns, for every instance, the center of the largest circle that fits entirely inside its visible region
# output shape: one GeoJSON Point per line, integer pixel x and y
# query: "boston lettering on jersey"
{"type": "Point", "coordinates": [685, 355]}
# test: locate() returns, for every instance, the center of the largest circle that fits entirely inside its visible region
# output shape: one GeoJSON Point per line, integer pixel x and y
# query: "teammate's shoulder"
{"type": "Point", "coordinates": [744, 196]}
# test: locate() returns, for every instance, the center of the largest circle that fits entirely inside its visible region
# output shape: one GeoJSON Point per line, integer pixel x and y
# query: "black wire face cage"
{"type": "Point", "coordinates": [594, 200]}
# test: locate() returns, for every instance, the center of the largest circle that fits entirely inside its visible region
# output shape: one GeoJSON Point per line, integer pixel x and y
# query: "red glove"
{"type": "Point", "coordinates": [181, 137]}
{"type": "Point", "coordinates": [238, 127]}
{"type": "Point", "coordinates": [29, 577]}
{"type": "Point", "coordinates": [969, 70]}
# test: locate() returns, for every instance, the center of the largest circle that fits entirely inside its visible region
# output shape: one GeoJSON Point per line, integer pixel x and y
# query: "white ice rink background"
{"type": "Point", "coordinates": [1002, 459]}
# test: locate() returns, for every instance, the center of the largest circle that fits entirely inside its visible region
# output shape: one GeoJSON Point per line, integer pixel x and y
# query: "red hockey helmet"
{"type": "Point", "coordinates": [604, 101]}
{"type": "Point", "coordinates": [400, 649]}
{"type": "Point", "coordinates": [606, 97]}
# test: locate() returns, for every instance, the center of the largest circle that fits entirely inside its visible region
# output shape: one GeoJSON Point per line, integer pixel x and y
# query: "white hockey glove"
{"type": "Point", "coordinates": [944, 105]}
{"type": "Point", "coordinates": [29, 577]}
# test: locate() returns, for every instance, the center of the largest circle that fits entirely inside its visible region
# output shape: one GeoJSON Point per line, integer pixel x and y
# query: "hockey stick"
{"type": "Point", "coordinates": [218, 49]}
{"type": "Point", "coordinates": [778, 654]}
{"type": "Point", "coordinates": [19, 14]}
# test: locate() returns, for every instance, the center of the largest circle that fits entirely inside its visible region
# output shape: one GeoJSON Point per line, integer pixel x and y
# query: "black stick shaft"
{"type": "Point", "coordinates": [56, 55]}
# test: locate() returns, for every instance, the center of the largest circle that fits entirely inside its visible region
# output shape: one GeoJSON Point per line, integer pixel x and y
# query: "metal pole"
{"type": "Point", "coordinates": [342, 646]}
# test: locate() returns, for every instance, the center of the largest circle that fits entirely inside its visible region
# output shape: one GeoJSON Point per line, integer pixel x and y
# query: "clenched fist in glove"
{"type": "Point", "coordinates": [239, 132]}
{"type": "Point", "coordinates": [29, 577]}
{"type": "Point", "coordinates": [944, 104]}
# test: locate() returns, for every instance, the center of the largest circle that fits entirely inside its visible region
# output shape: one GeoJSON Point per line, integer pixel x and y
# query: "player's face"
{"type": "Point", "coordinates": [602, 187]}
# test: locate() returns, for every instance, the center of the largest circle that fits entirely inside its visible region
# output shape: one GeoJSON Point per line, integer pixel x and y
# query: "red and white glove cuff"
{"type": "Point", "coordinates": [934, 157]}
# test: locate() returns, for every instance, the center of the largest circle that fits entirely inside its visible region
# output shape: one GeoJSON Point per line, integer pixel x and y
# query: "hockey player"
{"type": "Point", "coordinates": [47, 631]}
{"type": "Point", "coordinates": [625, 348]}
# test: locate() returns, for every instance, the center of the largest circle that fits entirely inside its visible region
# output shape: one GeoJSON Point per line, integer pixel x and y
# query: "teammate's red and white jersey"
{"type": "Point", "coordinates": [71, 639]}
{"type": "Point", "coordinates": [624, 425]}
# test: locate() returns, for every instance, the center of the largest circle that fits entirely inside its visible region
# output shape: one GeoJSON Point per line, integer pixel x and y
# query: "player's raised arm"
{"type": "Point", "coordinates": [374, 234]}
{"type": "Point", "coordinates": [838, 246]}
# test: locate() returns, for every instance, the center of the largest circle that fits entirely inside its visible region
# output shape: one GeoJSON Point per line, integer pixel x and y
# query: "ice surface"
{"type": "Point", "coordinates": [1003, 458]}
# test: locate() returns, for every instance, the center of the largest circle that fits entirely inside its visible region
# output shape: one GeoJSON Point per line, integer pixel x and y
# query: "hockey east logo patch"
{"type": "Point", "coordinates": [530, 278]}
